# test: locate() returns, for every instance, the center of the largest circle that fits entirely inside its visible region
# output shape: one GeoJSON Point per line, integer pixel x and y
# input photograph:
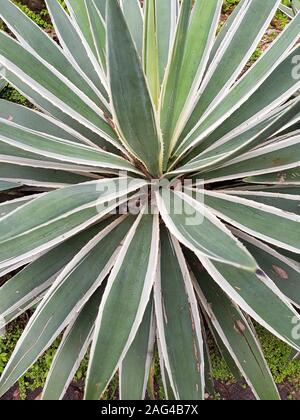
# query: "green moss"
{"type": "Point", "coordinates": [279, 357]}
{"type": "Point", "coordinates": [41, 18]}
{"type": "Point", "coordinates": [11, 94]}
{"type": "Point", "coordinates": [220, 370]}
{"type": "Point", "coordinates": [229, 5]}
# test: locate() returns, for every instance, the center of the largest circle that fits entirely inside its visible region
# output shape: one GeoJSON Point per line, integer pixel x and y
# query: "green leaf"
{"type": "Point", "coordinates": [234, 331]}
{"type": "Point", "coordinates": [39, 122]}
{"type": "Point", "coordinates": [60, 149]}
{"type": "Point", "coordinates": [284, 201]}
{"type": "Point", "coordinates": [275, 157]}
{"type": "Point", "coordinates": [43, 47]}
{"type": "Point", "coordinates": [296, 6]}
{"type": "Point", "coordinates": [134, 113]}
{"type": "Point", "coordinates": [3, 83]}
{"type": "Point", "coordinates": [246, 86]}
{"type": "Point", "coordinates": [241, 140]}
{"type": "Point", "coordinates": [72, 349]}
{"type": "Point", "coordinates": [166, 19]}
{"type": "Point", "coordinates": [232, 55]}
{"type": "Point", "coordinates": [58, 215]}
{"type": "Point", "coordinates": [200, 38]}
{"type": "Point", "coordinates": [53, 86]}
{"type": "Point", "coordinates": [280, 269]}
{"type": "Point", "coordinates": [288, 177]}
{"type": "Point", "coordinates": [98, 30]}
{"type": "Point", "coordinates": [79, 12]}
{"type": "Point", "coordinates": [134, 18]}
{"type": "Point", "coordinates": [4, 185]}
{"type": "Point", "coordinates": [267, 223]}
{"type": "Point", "coordinates": [134, 370]}
{"type": "Point", "coordinates": [87, 270]}
{"type": "Point", "coordinates": [178, 323]}
{"type": "Point", "coordinates": [62, 118]}
{"type": "Point", "coordinates": [150, 52]}
{"type": "Point", "coordinates": [199, 230]}
{"type": "Point", "coordinates": [258, 296]}
{"type": "Point", "coordinates": [128, 289]}
{"type": "Point", "coordinates": [38, 276]}
{"type": "Point", "coordinates": [39, 177]}
{"type": "Point", "coordinates": [287, 10]}
{"type": "Point", "coordinates": [275, 90]}
{"type": "Point", "coordinates": [171, 79]}
{"type": "Point", "coordinates": [72, 45]}
{"type": "Point", "coordinates": [11, 205]}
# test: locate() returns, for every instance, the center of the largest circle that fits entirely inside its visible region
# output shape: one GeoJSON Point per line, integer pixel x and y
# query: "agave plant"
{"type": "Point", "coordinates": [291, 10]}
{"type": "Point", "coordinates": [165, 192]}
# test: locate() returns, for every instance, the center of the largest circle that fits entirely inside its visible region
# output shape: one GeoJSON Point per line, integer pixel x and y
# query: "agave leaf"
{"type": "Point", "coordinates": [130, 297]}
{"type": "Point", "coordinates": [240, 140]}
{"type": "Point", "coordinates": [226, 149]}
{"type": "Point", "coordinates": [208, 372]}
{"type": "Point", "coordinates": [199, 230]}
{"type": "Point", "coordinates": [280, 269]}
{"type": "Point", "coordinates": [52, 85]}
{"type": "Point", "coordinates": [265, 222]}
{"type": "Point", "coordinates": [60, 149]}
{"type": "Point", "coordinates": [169, 394]}
{"type": "Point", "coordinates": [80, 14]}
{"type": "Point", "coordinates": [296, 6]}
{"type": "Point", "coordinates": [87, 270]}
{"type": "Point", "coordinates": [3, 83]}
{"type": "Point", "coordinates": [258, 296]}
{"type": "Point", "coordinates": [285, 201]}
{"type": "Point", "coordinates": [36, 121]}
{"type": "Point", "coordinates": [166, 19]}
{"type": "Point", "coordinates": [134, 370]}
{"type": "Point", "coordinates": [275, 157]}
{"type": "Point", "coordinates": [135, 116]}
{"type": "Point", "coordinates": [246, 86]}
{"type": "Point", "coordinates": [101, 5]}
{"type": "Point", "coordinates": [150, 51]}
{"type": "Point", "coordinates": [233, 53]}
{"type": "Point", "coordinates": [72, 349]}
{"type": "Point", "coordinates": [98, 29]}
{"type": "Point", "coordinates": [204, 21]}
{"type": "Point", "coordinates": [38, 276]}
{"type": "Point", "coordinates": [223, 350]}
{"type": "Point", "coordinates": [44, 48]}
{"type": "Point", "coordinates": [11, 205]}
{"type": "Point", "coordinates": [231, 23]}
{"type": "Point", "coordinates": [4, 185]}
{"type": "Point", "coordinates": [16, 156]}
{"type": "Point", "coordinates": [72, 44]}
{"type": "Point", "coordinates": [288, 177]}
{"type": "Point", "coordinates": [234, 331]}
{"type": "Point", "coordinates": [275, 90]}
{"type": "Point", "coordinates": [134, 18]}
{"type": "Point", "coordinates": [287, 11]}
{"type": "Point", "coordinates": [68, 122]}
{"type": "Point", "coordinates": [48, 178]}
{"type": "Point", "coordinates": [58, 216]}
{"type": "Point", "coordinates": [180, 336]}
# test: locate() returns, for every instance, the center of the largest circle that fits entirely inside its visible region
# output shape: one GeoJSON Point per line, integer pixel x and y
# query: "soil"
{"type": "Point", "coordinates": [226, 392]}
